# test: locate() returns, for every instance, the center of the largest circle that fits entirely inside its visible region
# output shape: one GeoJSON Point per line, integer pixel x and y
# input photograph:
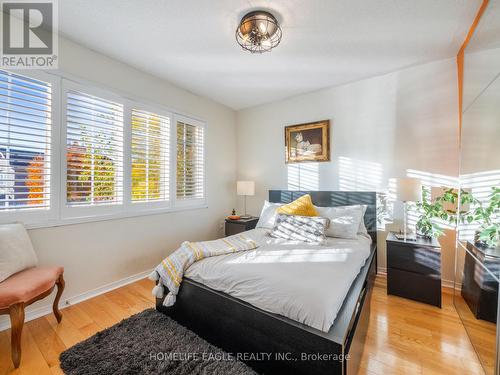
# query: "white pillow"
{"type": "Point", "coordinates": [344, 220]}
{"type": "Point", "coordinates": [268, 215]}
{"type": "Point", "coordinates": [16, 252]}
{"type": "Point", "coordinates": [362, 228]}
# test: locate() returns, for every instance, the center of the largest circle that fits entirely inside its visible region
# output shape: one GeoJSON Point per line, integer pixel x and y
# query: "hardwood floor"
{"type": "Point", "coordinates": [407, 337]}
{"type": "Point", "coordinates": [404, 337]}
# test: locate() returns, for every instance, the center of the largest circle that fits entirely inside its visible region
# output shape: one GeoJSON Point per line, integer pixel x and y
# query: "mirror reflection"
{"type": "Point", "coordinates": [477, 272]}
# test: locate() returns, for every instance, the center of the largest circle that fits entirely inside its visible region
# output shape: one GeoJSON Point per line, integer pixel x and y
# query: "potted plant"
{"type": "Point", "coordinates": [430, 212]}
{"type": "Point", "coordinates": [488, 216]}
{"type": "Point", "coordinates": [427, 225]}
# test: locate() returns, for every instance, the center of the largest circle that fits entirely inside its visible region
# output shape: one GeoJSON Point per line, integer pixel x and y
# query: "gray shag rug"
{"type": "Point", "coordinates": [149, 343]}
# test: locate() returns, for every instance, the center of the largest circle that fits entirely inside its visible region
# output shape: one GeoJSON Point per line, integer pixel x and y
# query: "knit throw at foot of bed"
{"type": "Point", "coordinates": [148, 343]}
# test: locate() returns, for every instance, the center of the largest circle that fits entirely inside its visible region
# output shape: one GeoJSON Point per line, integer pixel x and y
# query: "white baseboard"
{"type": "Point", "coordinates": [444, 283]}
{"type": "Point", "coordinates": [45, 310]}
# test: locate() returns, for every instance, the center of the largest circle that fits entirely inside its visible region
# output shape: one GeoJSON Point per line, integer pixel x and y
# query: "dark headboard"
{"type": "Point", "coordinates": [333, 199]}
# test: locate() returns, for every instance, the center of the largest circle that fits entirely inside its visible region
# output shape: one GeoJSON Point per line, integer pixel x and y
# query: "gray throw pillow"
{"type": "Point", "coordinates": [300, 228]}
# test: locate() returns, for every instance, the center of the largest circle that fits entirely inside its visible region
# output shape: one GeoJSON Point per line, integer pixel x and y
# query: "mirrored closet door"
{"type": "Point", "coordinates": [477, 273]}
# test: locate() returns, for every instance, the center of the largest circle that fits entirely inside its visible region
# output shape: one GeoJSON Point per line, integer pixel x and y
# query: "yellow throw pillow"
{"type": "Point", "coordinates": [302, 206]}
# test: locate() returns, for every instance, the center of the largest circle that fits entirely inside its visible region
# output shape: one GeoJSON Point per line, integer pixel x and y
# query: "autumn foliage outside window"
{"type": "Point", "coordinates": [150, 156]}
{"type": "Point", "coordinates": [35, 180]}
{"type": "Point", "coordinates": [94, 150]}
{"type": "Point", "coordinates": [90, 177]}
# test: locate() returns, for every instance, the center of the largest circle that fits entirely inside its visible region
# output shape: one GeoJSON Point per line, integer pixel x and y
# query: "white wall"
{"type": "Point", "coordinates": [481, 117]}
{"type": "Point", "coordinates": [380, 128]}
{"type": "Point", "coordinates": [99, 253]}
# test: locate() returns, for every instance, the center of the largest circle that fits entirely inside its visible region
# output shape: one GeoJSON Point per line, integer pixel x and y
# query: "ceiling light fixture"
{"type": "Point", "coordinates": [258, 32]}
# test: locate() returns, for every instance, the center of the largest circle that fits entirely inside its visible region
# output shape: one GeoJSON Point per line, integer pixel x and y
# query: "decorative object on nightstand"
{"type": "Point", "coordinates": [245, 188]}
{"type": "Point", "coordinates": [233, 216]}
{"type": "Point", "coordinates": [414, 269]}
{"type": "Point", "coordinates": [407, 190]}
{"type": "Point", "coordinates": [241, 225]}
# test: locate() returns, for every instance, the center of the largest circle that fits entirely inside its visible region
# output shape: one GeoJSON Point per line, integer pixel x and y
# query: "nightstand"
{"type": "Point", "coordinates": [479, 286]}
{"type": "Point", "coordinates": [414, 269]}
{"type": "Point", "coordinates": [241, 225]}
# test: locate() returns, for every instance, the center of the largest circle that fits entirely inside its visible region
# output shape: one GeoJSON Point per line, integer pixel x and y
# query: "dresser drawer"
{"type": "Point", "coordinates": [421, 260]}
{"type": "Point", "coordinates": [234, 228]}
{"type": "Point", "coordinates": [414, 286]}
{"type": "Point", "coordinates": [238, 226]}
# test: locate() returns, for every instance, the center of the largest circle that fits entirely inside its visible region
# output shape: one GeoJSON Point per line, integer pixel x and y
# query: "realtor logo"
{"type": "Point", "coordinates": [29, 34]}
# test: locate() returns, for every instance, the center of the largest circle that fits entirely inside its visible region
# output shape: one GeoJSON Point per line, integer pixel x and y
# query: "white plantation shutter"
{"type": "Point", "coordinates": [25, 136]}
{"type": "Point", "coordinates": [190, 174]}
{"type": "Point", "coordinates": [94, 150]}
{"type": "Point", "coordinates": [150, 149]}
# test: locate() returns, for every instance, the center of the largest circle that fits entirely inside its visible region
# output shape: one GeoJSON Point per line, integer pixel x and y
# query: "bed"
{"type": "Point", "coordinates": [278, 338]}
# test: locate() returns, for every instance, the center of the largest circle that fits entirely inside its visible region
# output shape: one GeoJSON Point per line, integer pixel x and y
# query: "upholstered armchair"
{"type": "Point", "coordinates": [22, 282]}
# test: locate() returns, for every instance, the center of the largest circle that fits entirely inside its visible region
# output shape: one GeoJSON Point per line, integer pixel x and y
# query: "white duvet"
{"type": "Point", "coordinates": [306, 283]}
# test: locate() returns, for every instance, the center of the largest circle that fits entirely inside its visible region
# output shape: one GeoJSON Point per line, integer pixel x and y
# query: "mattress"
{"type": "Point", "coordinates": [304, 282]}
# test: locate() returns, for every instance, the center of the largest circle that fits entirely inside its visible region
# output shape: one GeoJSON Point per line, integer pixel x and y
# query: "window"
{"type": "Point", "coordinates": [190, 160]}
{"type": "Point", "coordinates": [25, 142]}
{"type": "Point", "coordinates": [71, 152]}
{"type": "Point", "coordinates": [94, 150]}
{"type": "Point", "coordinates": [150, 156]}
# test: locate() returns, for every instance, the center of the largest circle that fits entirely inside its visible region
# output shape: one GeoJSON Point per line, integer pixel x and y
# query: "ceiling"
{"type": "Point", "coordinates": [191, 43]}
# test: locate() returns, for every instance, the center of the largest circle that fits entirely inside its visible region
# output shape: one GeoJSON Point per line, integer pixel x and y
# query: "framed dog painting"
{"type": "Point", "coordinates": [308, 142]}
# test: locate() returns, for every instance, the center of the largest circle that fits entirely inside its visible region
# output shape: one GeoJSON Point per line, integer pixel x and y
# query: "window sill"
{"type": "Point", "coordinates": [117, 216]}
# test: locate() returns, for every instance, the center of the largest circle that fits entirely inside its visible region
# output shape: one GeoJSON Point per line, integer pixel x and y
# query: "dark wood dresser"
{"type": "Point", "coordinates": [479, 283]}
{"type": "Point", "coordinates": [241, 225]}
{"type": "Point", "coordinates": [414, 269]}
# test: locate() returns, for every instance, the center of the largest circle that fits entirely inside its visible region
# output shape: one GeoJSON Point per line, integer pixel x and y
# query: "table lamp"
{"type": "Point", "coordinates": [245, 188]}
{"type": "Point", "coordinates": [408, 190]}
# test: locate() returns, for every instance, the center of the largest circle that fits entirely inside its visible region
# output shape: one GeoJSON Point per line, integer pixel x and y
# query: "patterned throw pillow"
{"type": "Point", "coordinates": [302, 206]}
{"type": "Point", "coordinates": [300, 228]}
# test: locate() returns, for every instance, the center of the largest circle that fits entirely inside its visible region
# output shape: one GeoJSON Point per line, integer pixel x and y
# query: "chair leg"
{"type": "Point", "coordinates": [55, 307]}
{"type": "Point", "coordinates": [16, 313]}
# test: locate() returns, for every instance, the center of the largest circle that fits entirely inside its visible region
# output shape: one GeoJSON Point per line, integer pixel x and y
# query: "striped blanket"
{"type": "Point", "coordinates": [170, 271]}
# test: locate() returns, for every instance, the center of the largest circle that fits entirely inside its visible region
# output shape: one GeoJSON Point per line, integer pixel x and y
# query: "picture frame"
{"type": "Point", "coordinates": [308, 142]}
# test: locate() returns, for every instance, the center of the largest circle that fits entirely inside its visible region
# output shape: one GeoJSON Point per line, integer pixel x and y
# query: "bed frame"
{"type": "Point", "coordinates": [290, 347]}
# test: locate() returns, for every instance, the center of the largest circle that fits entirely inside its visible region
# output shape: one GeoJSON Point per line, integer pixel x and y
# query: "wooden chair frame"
{"type": "Point", "coordinates": [16, 313]}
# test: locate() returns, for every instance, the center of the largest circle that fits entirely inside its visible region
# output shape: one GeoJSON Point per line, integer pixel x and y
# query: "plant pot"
{"type": "Point", "coordinates": [423, 235]}
{"type": "Point", "coordinates": [477, 241]}
{"type": "Point", "coordinates": [480, 243]}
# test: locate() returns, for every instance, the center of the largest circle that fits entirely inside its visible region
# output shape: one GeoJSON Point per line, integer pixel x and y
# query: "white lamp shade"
{"type": "Point", "coordinates": [408, 189]}
{"type": "Point", "coordinates": [245, 187]}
